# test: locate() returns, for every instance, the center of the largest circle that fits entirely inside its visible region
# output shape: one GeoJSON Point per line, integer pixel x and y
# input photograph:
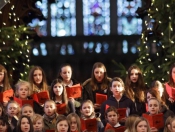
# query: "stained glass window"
{"type": "Point", "coordinates": [67, 49]}
{"type": "Point", "coordinates": [96, 17]}
{"type": "Point", "coordinates": [98, 47]}
{"type": "Point", "coordinates": [63, 18]}
{"type": "Point", "coordinates": [41, 26]}
{"type": "Point", "coordinates": [128, 24]}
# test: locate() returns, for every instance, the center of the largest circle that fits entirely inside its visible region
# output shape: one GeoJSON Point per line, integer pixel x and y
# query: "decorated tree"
{"type": "Point", "coordinates": [15, 35]}
{"type": "Point", "coordinates": [157, 48]}
{"type": "Point", "coordinates": [156, 51]}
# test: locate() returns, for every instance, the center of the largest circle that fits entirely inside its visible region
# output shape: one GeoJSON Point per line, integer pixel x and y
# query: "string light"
{"type": "Point", "coordinates": [21, 74]}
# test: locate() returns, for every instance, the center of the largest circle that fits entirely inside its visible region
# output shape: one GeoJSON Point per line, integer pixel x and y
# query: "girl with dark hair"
{"type": "Point", "coordinates": [59, 96]}
{"type": "Point", "coordinates": [4, 125]}
{"type": "Point", "coordinates": [98, 83]}
{"type": "Point", "coordinates": [24, 124]}
{"type": "Point", "coordinates": [112, 118]}
{"type": "Point", "coordinates": [135, 88]}
{"type": "Point", "coordinates": [65, 74]}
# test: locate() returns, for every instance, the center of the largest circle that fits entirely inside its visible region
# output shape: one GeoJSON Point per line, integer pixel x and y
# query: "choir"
{"type": "Point", "coordinates": [99, 104]}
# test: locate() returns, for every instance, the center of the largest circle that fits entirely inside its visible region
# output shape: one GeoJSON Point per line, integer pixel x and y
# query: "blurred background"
{"type": "Point", "coordinates": [82, 32]}
{"type": "Point", "coordinates": [78, 32]}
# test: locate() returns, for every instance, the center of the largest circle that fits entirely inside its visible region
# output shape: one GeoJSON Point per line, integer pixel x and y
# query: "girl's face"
{"type": "Point", "coordinates": [3, 126]}
{"type": "Point", "coordinates": [38, 126]}
{"type": "Point", "coordinates": [28, 111]}
{"type": "Point", "coordinates": [99, 74]}
{"type": "Point", "coordinates": [173, 74]}
{"type": "Point", "coordinates": [153, 107]}
{"type": "Point", "coordinates": [0, 111]}
{"type": "Point", "coordinates": [66, 73]}
{"type": "Point", "coordinates": [134, 75]}
{"type": "Point", "coordinates": [73, 124]}
{"type": "Point", "coordinates": [25, 126]}
{"type": "Point", "coordinates": [117, 88]}
{"type": "Point", "coordinates": [38, 77]}
{"type": "Point", "coordinates": [87, 109]}
{"type": "Point", "coordinates": [173, 126]}
{"type": "Point", "coordinates": [58, 89]}
{"type": "Point", "coordinates": [1, 77]}
{"type": "Point", "coordinates": [62, 126]}
{"type": "Point", "coordinates": [12, 109]}
{"type": "Point", "coordinates": [142, 126]}
{"type": "Point", "coordinates": [23, 91]}
{"type": "Point", "coordinates": [148, 96]}
{"type": "Point", "coordinates": [112, 118]}
{"type": "Point", "coordinates": [49, 108]}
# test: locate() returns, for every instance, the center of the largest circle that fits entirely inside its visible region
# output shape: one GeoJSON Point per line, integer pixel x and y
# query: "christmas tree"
{"type": "Point", "coordinates": [15, 35]}
{"type": "Point", "coordinates": [157, 48]}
